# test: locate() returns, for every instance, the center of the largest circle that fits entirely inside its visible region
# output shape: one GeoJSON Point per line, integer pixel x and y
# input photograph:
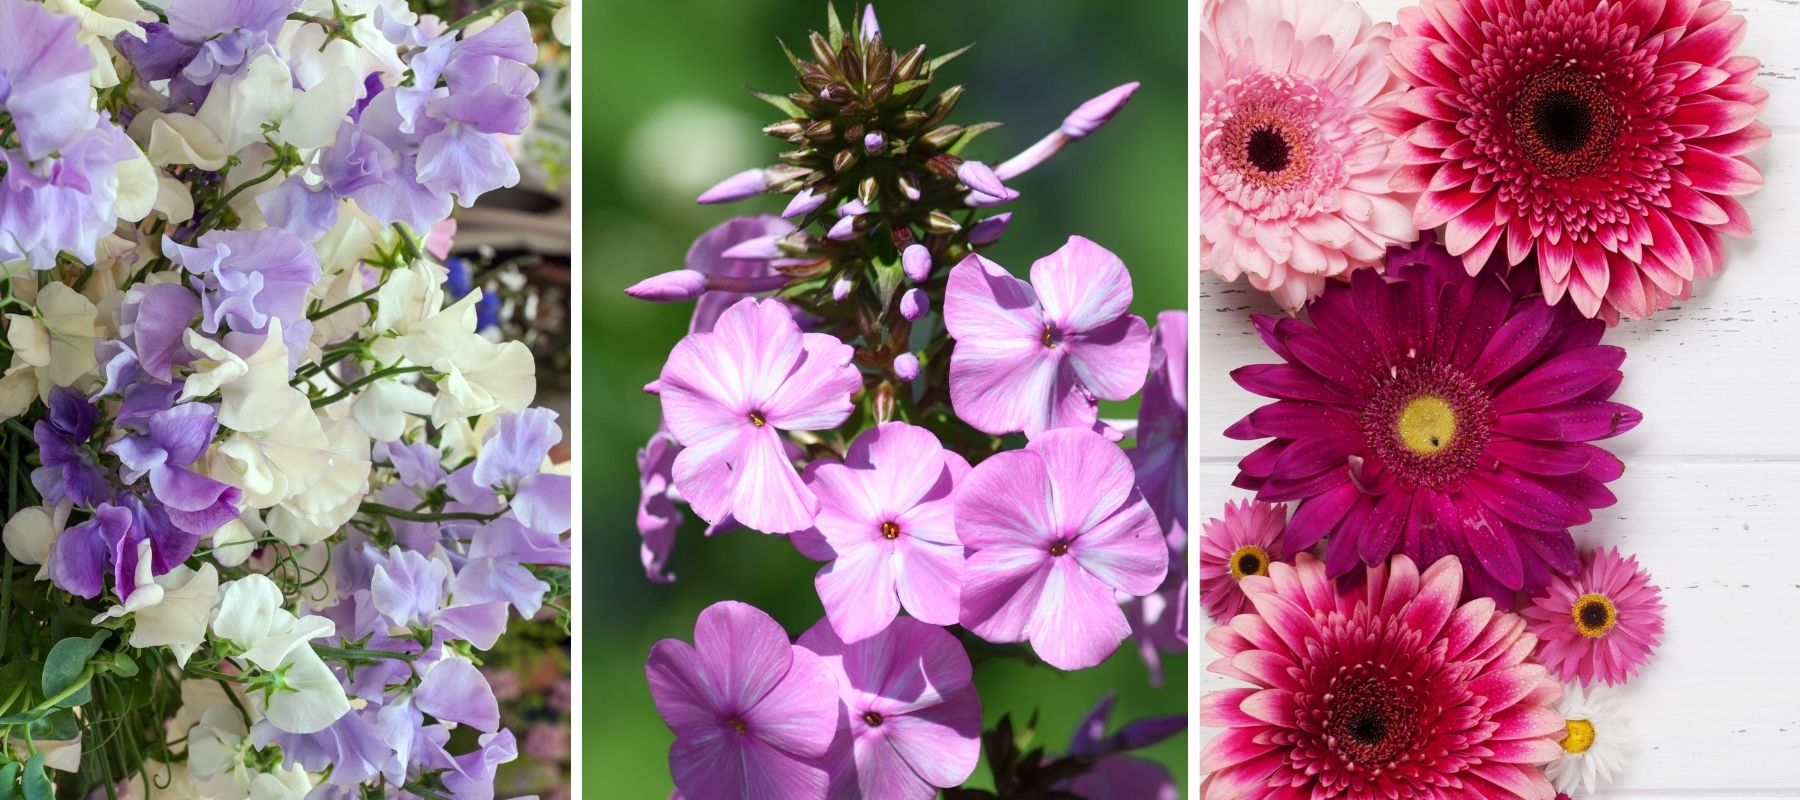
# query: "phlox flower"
{"type": "Point", "coordinates": [729, 393]}
{"type": "Point", "coordinates": [1053, 530]}
{"type": "Point", "coordinates": [910, 721]}
{"type": "Point", "coordinates": [1115, 774]}
{"type": "Point", "coordinates": [887, 524]}
{"type": "Point", "coordinates": [1031, 357]}
{"type": "Point", "coordinates": [752, 714]}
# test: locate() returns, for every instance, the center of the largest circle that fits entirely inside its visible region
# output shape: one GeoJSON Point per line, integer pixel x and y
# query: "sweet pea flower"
{"type": "Point", "coordinates": [43, 77]}
{"type": "Point", "coordinates": [79, 558]}
{"type": "Point", "coordinates": [1053, 531]}
{"type": "Point", "coordinates": [171, 441]}
{"type": "Point", "coordinates": [728, 394]}
{"type": "Point", "coordinates": [887, 524]}
{"type": "Point", "coordinates": [752, 714]}
{"type": "Point", "coordinates": [71, 468]}
{"type": "Point", "coordinates": [247, 278]}
{"type": "Point", "coordinates": [169, 610]}
{"type": "Point", "coordinates": [910, 722]}
{"type": "Point", "coordinates": [513, 455]}
{"type": "Point", "coordinates": [66, 202]}
{"type": "Point", "coordinates": [1037, 356]}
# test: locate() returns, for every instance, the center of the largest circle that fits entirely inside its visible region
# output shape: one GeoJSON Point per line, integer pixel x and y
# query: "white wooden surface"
{"type": "Point", "coordinates": [1710, 499]}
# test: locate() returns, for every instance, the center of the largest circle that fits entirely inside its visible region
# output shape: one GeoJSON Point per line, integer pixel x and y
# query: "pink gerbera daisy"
{"type": "Point", "coordinates": [1242, 542]}
{"type": "Point", "coordinates": [1386, 690]}
{"type": "Point", "coordinates": [1432, 413]}
{"type": "Point", "coordinates": [1602, 624]}
{"type": "Point", "coordinates": [1293, 171]}
{"type": "Point", "coordinates": [1605, 137]}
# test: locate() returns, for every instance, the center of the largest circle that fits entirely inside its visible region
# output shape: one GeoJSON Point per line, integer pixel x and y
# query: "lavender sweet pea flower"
{"type": "Point", "coordinates": [1032, 357]}
{"type": "Point", "coordinates": [81, 555]}
{"type": "Point", "coordinates": [463, 158]}
{"type": "Point", "coordinates": [911, 721]}
{"type": "Point", "coordinates": [409, 590]}
{"type": "Point", "coordinates": [728, 394]}
{"type": "Point", "coordinates": [71, 469]}
{"type": "Point", "coordinates": [246, 278]}
{"type": "Point", "coordinates": [63, 202]}
{"type": "Point", "coordinates": [1053, 531]}
{"type": "Point", "coordinates": [196, 21]}
{"type": "Point", "coordinates": [299, 208]}
{"type": "Point", "coordinates": [357, 160]}
{"type": "Point", "coordinates": [752, 714]}
{"type": "Point", "coordinates": [887, 524]}
{"type": "Point", "coordinates": [511, 457]}
{"type": "Point", "coordinates": [170, 544]}
{"type": "Point", "coordinates": [154, 318]}
{"type": "Point", "coordinates": [43, 78]}
{"type": "Point", "coordinates": [172, 440]}
{"type": "Point", "coordinates": [351, 749]}
{"type": "Point", "coordinates": [494, 571]}
{"type": "Point", "coordinates": [453, 690]}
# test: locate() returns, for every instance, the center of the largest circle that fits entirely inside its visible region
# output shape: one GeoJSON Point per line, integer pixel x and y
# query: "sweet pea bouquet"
{"type": "Point", "coordinates": [269, 494]}
{"type": "Point", "coordinates": [861, 379]}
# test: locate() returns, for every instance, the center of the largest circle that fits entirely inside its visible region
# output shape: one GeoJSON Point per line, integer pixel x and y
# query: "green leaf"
{"type": "Point", "coordinates": [932, 65]}
{"type": "Point", "coordinates": [59, 726]}
{"type": "Point", "coordinates": [833, 26]}
{"type": "Point", "coordinates": [887, 281]}
{"type": "Point", "coordinates": [122, 665]}
{"type": "Point", "coordinates": [12, 675]}
{"type": "Point", "coordinates": [66, 668]}
{"type": "Point", "coordinates": [779, 101]}
{"type": "Point", "coordinates": [9, 780]}
{"type": "Point", "coordinates": [37, 784]}
{"type": "Point", "coordinates": [969, 135]}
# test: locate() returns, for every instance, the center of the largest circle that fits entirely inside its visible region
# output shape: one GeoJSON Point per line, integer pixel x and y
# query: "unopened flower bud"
{"type": "Point", "coordinates": [761, 248]}
{"type": "Point", "coordinates": [989, 230]}
{"type": "Point", "coordinates": [914, 303]}
{"type": "Point", "coordinates": [653, 387]}
{"type": "Point", "coordinates": [883, 407]}
{"type": "Point", "coordinates": [670, 287]}
{"type": "Point", "coordinates": [742, 186]}
{"type": "Point", "coordinates": [940, 222]}
{"type": "Point", "coordinates": [908, 188]}
{"type": "Point", "coordinates": [916, 261]}
{"type": "Point", "coordinates": [806, 202]}
{"type": "Point", "coordinates": [906, 367]}
{"type": "Point", "coordinates": [871, 30]}
{"type": "Point", "coordinates": [844, 230]}
{"type": "Point", "coordinates": [874, 141]}
{"type": "Point", "coordinates": [1089, 116]}
{"type": "Point", "coordinates": [840, 289]}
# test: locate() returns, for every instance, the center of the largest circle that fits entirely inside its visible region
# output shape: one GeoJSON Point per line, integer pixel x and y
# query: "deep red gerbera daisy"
{"type": "Point", "coordinates": [1605, 137]}
{"type": "Point", "coordinates": [1433, 413]}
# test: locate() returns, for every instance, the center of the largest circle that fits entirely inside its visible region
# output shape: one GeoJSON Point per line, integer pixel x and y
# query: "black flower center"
{"type": "Point", "coordinates": [1051, 337]}
{"type": "Point", "coordinates": [1595, 615]}
{"type": "Point", "coordinates": [1367, 727]}
{"type": "Point", "coordinates": [873, 719]}
{"type": "Point", "coordinates": [1267, 150]}
{"type": "Point", "coordinates": [1249, 564]}
{"type": "Point", "coordinates": [1565, 122]}
{"type": "Point", "coordinates": [1370, 722]}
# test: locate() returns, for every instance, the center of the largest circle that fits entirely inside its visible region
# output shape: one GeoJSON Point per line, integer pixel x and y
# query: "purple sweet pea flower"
{"type": "Point", "coordinates": [727, 396]}
{"type": "Point", "coordinates": [172, 440]}
{"type": "Point", "coordinates": [299, 208]}
{"type": "Point", "coordinates": [453, 690]}
{"type": "Point", "coordinates": [495, 571]}
{"type": "Point", "coordinates": [408, 590]}
{"type": "Point", "coordinates": [658, 518]}
{"type": "Point", "coordinates": [752, 714]}
{"type": "Point", "coordinates": [352, 749]}
{"type": "Point", "coordinates": [887, 524]}
{"type": "Point", "coordinates": [471, 775]}
{"type": "Point", "coordinates": [81, 555]}
{"type": "Point", "coordinates": [356, 161]}
{"type": "Point", "coordinates": [71, 469]}
{"type": "Point", "coordinates": [196, 21]}
{"type": "Point", "coordinates": [1053, 531]}
{"type": "Point", "coordinates": [170, 544]}
{"type": "Point", "coordinates": [1032, 357]}
{"type": "Point", "coordinates": [910, 722]}
{"type": "Point", "coordinates": [246, 278]}
{"type": "Point", "coordinates": [43, 79]}
{"type": "Point", "coordinates": [65, 201]}
{"type": "Point", "coordinates": [154, 318]}
{"type": "Point", "coordinates": [511, 457]}
{"type": "Point", "coordinates": [159, 55]}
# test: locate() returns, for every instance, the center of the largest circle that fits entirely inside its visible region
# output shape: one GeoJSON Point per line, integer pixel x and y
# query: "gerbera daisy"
{"type": "Point", "coordinates": [1386, 690]}
{"type": "Point", "coordinates": [1294, 175]}
{"type": "Point", "coordinates": [1605, 137]}
{"type": "Point", "coordinates": [1593, 749]}
{"type": "Point", "coordinates": [1240, 543]}
{"type": "Point", "coordinates": [1436, 414]}
{"type": "Point", "coordinates": [1602, 624]}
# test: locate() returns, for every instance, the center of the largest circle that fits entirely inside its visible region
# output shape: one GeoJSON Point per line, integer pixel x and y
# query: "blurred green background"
{"type": "Point", "coordinates": [666, 115]}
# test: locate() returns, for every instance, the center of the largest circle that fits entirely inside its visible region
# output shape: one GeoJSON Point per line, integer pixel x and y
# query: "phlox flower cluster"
{"type": "Point", "coordinates": [274, 494]}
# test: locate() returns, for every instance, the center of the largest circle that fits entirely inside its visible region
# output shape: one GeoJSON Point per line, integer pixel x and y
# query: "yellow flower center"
{"type": "Point", "coordinates": [1426, 425]}
{"type": "Point", "coordinates": [1594, 615]}
{"type": "Point", "coordinates": [1249, 560]}
{"type": "Point", "coordinates": [1580, 738]}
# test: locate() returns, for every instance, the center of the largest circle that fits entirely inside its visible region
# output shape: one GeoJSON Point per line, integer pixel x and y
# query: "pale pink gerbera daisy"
{"type": "Point", "coordinates": [1293, 171]}
{"type": "Point", "coordinates": [1240, 543]}
{"type": "Point", "coordinates": [1605, 137]}
{"type": "Point", "coordinates": [1602, 624]}
{"type": "Point", "coordinates": [1386, 690]}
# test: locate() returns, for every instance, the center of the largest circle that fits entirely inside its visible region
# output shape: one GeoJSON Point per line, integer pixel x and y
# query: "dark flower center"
{"type": "Point", "coordinates": [873, 719]}
{"type": "Point", "coordinates": [756, 418]}
{"type": "Point", "coordinates": [1595, 615]}
{"type": "Point", "coordinates": [1429, 423]}
{"type": "Point", "coordinates": [1565, 122]}
{"type": "Point", "coordinates": [1267, 150]}
{"type": "Point", "coordinates": [890, 531]}
{"type": "Point", "coordinates": [737, 725]}
{"type": "Point", "coordinates": [1059, 547]}
{"type": "Point", "coordinates": [1370, 722]}
{"type": "Point", "coordinates": [1051, 337]}
{"type": "Point", "coordinates": [1249, 560]}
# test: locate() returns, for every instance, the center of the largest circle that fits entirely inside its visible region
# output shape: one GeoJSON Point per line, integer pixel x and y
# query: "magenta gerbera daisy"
{"type": "Point", "coordinates": [1389, 689]}
{"type": "Point", "coordinates": [1436, 414]}
{"type": "Point", "coordinates": [1602, 624]}
{"type": "Point", "coordinates": [1605, 137]}
{"type": "Point", "coordinates": [1236, 545]}
{"type": "Point", "coordinates": [1294, 175]}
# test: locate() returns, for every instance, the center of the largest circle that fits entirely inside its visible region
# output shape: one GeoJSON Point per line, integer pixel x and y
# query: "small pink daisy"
{"type": "Point", "coordinates": [1241, 543]}
{"type": "Point", "coordinates": [1602, 624]}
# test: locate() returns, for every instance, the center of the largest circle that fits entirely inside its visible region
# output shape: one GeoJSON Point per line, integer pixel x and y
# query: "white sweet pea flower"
{"type": "Point", "coordinates": [138, 188]}
{"type": "Point", "coordinates": [562, 26]}
{"type": "Point", "coordinates": [18, 388]}
{"type": "Point", "coordinates": [410, 296]}
{"type": "Point", "coordinates": [102, 23]}
{"type": "Point", "coordinates": [314, 515]}
{"type": "Point", "coordinates": [29, 340]}
{"type": "Point", "coordinates": [70, 322]}
{"type": "Point", "coordinates": [252, 617]}
{"type": "Point", "coordinates": [383, 407]}
{"type": "Point", "coordinates": [306, 697]}
{"type": "Point", "coordinates": [173, 200]}
{"type": "Point", "coordinates": [312, 53]}
{"type": "Point", "coordinates": [31, 532]}
{"type": "Point", "coordinates": [218, 750]}
{"type": "Point", "coordinates": [169, 610]}
{"type": "Point", "coordinates": [254, 394]}
{"type": "Point", "coordinates": [274, 464]}
{"type": "Point", "coordinates": [180, 139]}
{"type": "Point", "coordinates": [240, 104]}
{"type": "Point", "coordinates": [484, 377]}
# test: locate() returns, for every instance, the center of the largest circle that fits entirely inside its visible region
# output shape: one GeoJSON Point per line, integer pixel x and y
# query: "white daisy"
{"type": "Point", "coordinates": [1599, 733]}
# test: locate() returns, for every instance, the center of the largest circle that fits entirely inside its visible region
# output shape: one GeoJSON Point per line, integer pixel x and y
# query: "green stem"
{"type": "Point", "coordinates": [225, 202]}
{"type": "Point", "coordinates": [361, 298]}
{"type": "Point", "coordinates": [360, 654]}
{"type": "Point", "coordinates": [379, 510]}
{"type": "Point", "coordinates": [361, 382]}
{"type": "Point", "coordinates": [81, 682]}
